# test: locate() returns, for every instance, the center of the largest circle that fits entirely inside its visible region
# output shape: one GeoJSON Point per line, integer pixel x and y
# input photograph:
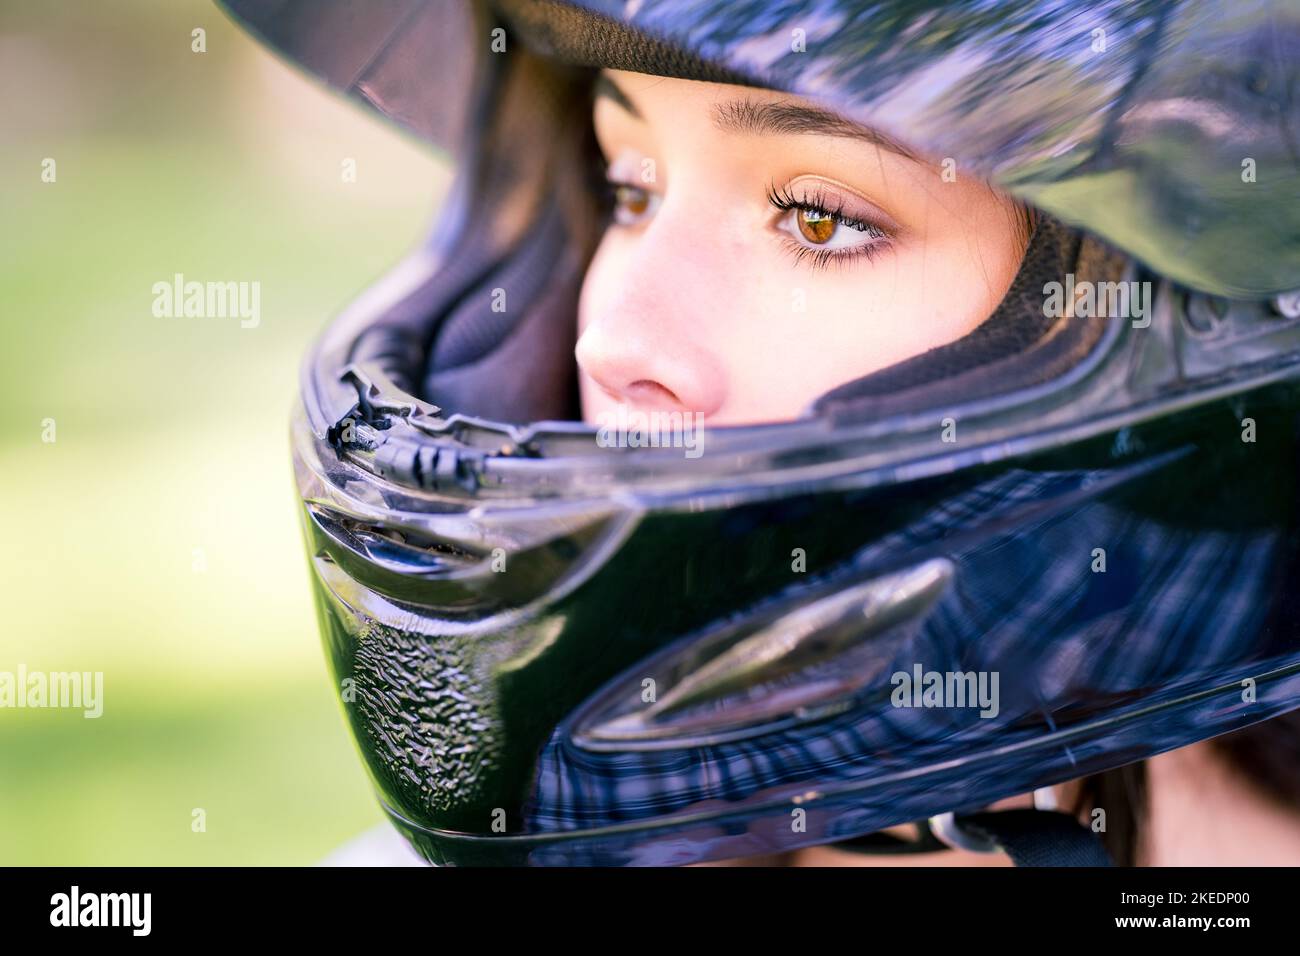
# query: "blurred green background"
{"type": "Point", "coordinates": [156, 539]}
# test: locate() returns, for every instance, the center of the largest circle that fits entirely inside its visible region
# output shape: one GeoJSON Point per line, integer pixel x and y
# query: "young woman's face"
{"type": "Point", "coordinates": [763, 252]}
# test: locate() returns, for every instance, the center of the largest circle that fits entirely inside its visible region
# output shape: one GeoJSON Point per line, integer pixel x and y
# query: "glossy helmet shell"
{"type": "Point", "coordinates": [555, 651]}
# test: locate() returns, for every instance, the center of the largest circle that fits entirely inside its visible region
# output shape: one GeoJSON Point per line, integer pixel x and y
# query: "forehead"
{"type": "Point", "coordinates": [675, 104]}
{"type": "Point", "coordinates": [641, 92]}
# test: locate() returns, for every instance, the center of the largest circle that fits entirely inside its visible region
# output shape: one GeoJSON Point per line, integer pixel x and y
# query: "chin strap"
{"type": "Point", "coordinates": [1037, 837]}
{"type": "Point", "coordinates": [1029, 837]}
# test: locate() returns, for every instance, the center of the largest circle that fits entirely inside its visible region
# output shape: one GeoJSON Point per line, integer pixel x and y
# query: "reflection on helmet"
{"type": "Point", "coordinates": [560, 652]}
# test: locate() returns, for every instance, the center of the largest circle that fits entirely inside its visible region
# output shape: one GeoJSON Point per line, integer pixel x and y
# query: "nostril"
{"type": "Point", "coordinates": [648, 392]}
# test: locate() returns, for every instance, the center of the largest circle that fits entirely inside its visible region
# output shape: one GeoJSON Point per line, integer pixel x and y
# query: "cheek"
{"type": "Point", "coordinates": [916, 297]}
{"type": "Point", "coordinates": [976, 270]}
{"type": "Point", "coordinates": [812, 329]}
{"type": "Point", "coordinates": [808, 331]}
{"type": "Point", "coordinates": [792, 333]}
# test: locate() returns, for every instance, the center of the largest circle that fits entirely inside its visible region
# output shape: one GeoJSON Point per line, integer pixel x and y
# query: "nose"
{"type": "Point", "coordinates": [645, 372]}
{"type": "Point", "coordinates": [645, 344]}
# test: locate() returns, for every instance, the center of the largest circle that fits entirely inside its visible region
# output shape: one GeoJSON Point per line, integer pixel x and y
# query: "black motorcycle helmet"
{"type": "Point", "coordinates": [551, 651]}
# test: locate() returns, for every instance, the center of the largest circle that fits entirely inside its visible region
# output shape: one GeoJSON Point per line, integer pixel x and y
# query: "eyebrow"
{"type": "Point", "coordinates": [610, 90]}
{"type": "Point", "coordinates": [753, 117]}
{"type": "Point", "coordinates": [750, 116]}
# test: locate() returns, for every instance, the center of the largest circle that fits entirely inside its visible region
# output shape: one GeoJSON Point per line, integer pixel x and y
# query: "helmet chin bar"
{"type": "Point", "coordinates": [612, 559]}
{"type": "Point", "coordinates": [732, 685]}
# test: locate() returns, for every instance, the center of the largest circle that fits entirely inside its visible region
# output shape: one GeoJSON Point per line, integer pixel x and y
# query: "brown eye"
{"type": "Point", "coordinates": [630, 202]}
{"type": "Point", "coordinates": [824, 228]}
{"type": "Point", "coordinates": [815, 225]}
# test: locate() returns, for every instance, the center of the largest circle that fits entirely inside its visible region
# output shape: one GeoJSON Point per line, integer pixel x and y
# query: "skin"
{"type": "Point", "coordinates": [699, 298]}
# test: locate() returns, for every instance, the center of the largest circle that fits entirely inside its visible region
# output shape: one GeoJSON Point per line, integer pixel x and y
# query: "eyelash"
{"type": "Point", "coordinates": [818, 202]}
{"type": "Point", "coordinates": [783, 200]}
